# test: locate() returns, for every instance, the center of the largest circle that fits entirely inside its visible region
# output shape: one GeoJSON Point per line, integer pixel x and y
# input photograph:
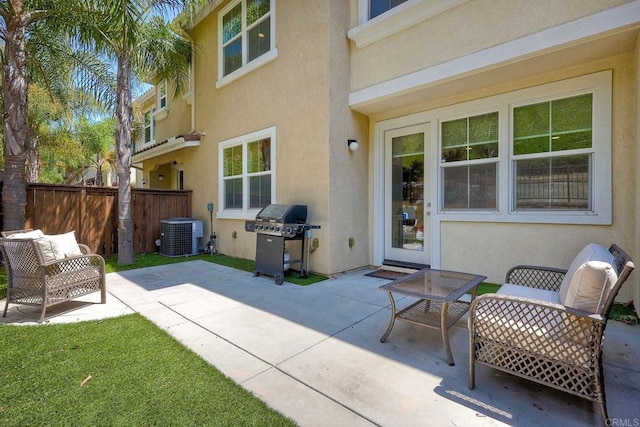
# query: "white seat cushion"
{"type": "Point", "coordinates": [527, 292]}
{"type": "Point", "coordinates": [589, 278]}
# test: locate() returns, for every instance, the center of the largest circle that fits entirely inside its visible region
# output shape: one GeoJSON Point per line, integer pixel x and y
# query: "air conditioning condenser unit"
{"type": "Point", "coordinates": [180, 236]}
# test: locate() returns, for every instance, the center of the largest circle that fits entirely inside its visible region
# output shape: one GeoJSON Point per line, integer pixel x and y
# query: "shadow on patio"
{"type": "Point", "coordinates": [314, 354]}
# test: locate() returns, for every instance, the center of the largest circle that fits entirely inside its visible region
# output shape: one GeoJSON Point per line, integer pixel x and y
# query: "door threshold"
{"type": "Point", "coordinates": [404, 264]}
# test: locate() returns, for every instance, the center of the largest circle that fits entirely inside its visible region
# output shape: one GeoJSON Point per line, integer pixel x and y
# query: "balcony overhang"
{"type": "Point", "coordinates": [594, 37]}
{"type": "Point", "coordinates": [172, 144]}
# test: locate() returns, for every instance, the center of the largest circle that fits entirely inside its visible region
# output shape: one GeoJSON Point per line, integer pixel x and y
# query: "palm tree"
{"type": "Point", "coordinates": [35, 47]}
{"type": "Point", "coordinates": [134, 35]}
{"type": "Point", "coordinates": [43, 109]}
{"type": "Point", "coordinates": [127, 32]}
{"type": "Point", "coordinates": [97, 142]}
{"type": "Point", "coordinates": [16, 18]}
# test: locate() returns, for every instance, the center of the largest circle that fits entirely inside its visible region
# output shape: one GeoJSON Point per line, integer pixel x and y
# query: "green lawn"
{"type": "Point", "coordinates": [486, 288]}
{"type": "Point", "coordinates": [134, 374]}
{"type": "Point", "coordinates": [137, 374]}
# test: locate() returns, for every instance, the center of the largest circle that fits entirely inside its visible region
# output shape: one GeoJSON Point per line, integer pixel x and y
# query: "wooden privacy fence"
{"type": "Point", "coordinates": [93, 213]}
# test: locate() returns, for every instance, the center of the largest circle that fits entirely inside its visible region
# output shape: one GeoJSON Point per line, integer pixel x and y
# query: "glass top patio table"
{"type": "Point", "coordinates": [438, 306]}
{"type": "Point", "coordinates": [436, 285]}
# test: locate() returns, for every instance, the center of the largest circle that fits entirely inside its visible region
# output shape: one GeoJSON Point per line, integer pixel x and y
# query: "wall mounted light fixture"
{"type": "Point", "coordinates": [352, 144]}
{"type": "Point", "coordinates": [161, 177]}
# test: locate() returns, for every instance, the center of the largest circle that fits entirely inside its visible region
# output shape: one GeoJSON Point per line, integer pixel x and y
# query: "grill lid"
{"type": "Point", "coordinates": [292, 214]}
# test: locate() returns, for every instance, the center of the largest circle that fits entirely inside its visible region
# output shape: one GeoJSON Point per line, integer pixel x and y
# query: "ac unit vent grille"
{"type": "Point", "coordinates": [179, 236]}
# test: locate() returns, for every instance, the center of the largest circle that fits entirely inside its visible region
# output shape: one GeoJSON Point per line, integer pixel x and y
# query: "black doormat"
{"type": "Point", "coordinates": [387, 274]}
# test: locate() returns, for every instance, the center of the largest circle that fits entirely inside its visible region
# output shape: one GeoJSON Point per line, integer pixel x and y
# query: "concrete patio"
{"type": "Point", "coordinates": [314, 353]}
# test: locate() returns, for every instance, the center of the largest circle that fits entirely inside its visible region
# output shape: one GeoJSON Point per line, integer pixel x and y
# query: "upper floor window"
{"type": "Point", "coordinates": [149, 127]}
{"type": "Point", "coordinates": [162, 94]}
{"type": "Point", "coordinates": [379, 19]}
{"type": "Point", "coordinates": [247, 176]}
{"type": "Point", "coordinates": [378, 7]}
{"type": "Point", "coordinates": [245, 33]}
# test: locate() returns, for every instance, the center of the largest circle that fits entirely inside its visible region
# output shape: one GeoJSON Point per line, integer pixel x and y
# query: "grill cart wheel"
{"type": "Point", "coordinates": [279, 278]}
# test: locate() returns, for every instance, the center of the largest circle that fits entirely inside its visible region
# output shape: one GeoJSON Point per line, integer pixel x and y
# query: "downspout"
{"type": "Point", "coordinates": [636, 250]}
{"type": "Point", "coordinates": [189, 98]}
{"type": "Point", "coordinates": [191, 94]}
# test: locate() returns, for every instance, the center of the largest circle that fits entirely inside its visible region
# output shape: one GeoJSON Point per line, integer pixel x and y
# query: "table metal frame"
{"type": "Point", "coordinates": [431, 310]}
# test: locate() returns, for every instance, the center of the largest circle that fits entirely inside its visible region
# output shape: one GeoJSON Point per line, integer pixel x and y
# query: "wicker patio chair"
{"type": "Point", "coordinates": [33, 279]}
{"type": "Point", "coordinates": [540, 338]}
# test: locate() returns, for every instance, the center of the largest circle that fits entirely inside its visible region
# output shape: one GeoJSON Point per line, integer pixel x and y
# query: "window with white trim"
{"type": "Point", "coordinates": [378, 7]}
{"type": "Point", "coordinates": [470, 162]}
{"type": "Point", "coordinates": [552, 153]}
{"type": "Point", "coordinates": [149, 127]}
{"type": "Point", "coordinates": [541, 154]}
{"type": "Point", "coordinates": [246, 33]}
{"type": "Point", "coordinates": [162, 95]}
{"type": "Point", "coordinates": [246, 166]}
{"type": "Point", "coordinates": [380, 19]}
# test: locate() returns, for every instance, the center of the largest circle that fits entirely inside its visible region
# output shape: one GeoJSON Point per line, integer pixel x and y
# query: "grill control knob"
{"type": "Point", "coordinates": [278, 228]}
{"type": "Point", "coordinates": [288, 230]}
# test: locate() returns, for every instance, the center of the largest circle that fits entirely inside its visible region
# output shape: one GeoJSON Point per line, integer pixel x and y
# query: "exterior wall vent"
{"type": "Point", "coordinates": [180, 236]}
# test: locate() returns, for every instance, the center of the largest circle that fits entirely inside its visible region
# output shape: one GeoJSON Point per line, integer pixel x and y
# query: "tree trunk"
{"type": "Point", "coordinates": [124, 118]}
{"type": "Point", "coordinates": [99, 179]}
{"type": "Point", "coordinates": [16, 130]}
{"type": "Point", "coordinates": [31, 149]}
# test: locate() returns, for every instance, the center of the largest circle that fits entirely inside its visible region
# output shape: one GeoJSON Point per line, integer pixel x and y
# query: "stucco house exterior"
{"type": "Point", "coordinates": [490, 132]}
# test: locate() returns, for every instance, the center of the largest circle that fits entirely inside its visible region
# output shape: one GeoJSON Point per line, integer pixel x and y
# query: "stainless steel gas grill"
{"type": "Point", "coordinates": [274, 226]}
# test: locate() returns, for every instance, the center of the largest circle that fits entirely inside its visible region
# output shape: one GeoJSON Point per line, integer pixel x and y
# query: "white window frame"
{"type": "Point", "coordinates": [244, 213]}
{"type": "Point", "coordinates": [367, 5]}
{"type": "Point", "coordinates": [396, 19]}
{"type": "Point", "coordinates": [476, 162]}
{"type": "Point", "coordinates": [152, 126]}
{"type": "Point", "coordinates": [162, 111]}
{"type": "Point", "coordinates": [247, 66]}
{"type": "Point", "coordinates": [600, 85]}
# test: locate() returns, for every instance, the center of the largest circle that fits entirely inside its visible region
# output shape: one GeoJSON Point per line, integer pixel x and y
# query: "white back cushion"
{"type": "Point", "coordinates": [33, 234]}
{"type": "Point", "coordinates": [589, 278]}
{"type": "Point", "coordinates": [58, 246]}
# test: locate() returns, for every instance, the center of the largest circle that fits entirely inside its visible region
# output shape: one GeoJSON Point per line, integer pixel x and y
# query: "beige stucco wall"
{"type": "Point", "coordinates": [348, 171]}
{"type": "Point", "coordinates": [305, 96]}
{"type": "Point", "coordinates": [466, 28]}
{"type": "Point", "coordinates": [491, 248]}
{"type": "Point", "coordinates": [178, 120]}
{"type": "Point", "coordinates": [636, 231]}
